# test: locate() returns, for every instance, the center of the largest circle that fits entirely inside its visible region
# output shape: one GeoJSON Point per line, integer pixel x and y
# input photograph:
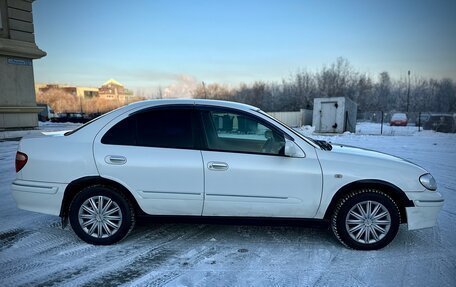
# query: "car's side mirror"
{"type": "Point", "coordinates": [292, 149]}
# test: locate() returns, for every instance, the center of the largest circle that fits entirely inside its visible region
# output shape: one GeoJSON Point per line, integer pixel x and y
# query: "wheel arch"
{"type": "Point", "coordinates": [77, 185]}
{"type": "Point", "coordinates": [390, 189]}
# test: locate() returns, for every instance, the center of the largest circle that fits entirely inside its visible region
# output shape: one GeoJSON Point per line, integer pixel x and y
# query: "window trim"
{"type": "Point", "coordinates": [155, 108]}
{"type": "Point", "coordinates": [198, 129]}
{"type": "Point", "coordinates": [200, 108]}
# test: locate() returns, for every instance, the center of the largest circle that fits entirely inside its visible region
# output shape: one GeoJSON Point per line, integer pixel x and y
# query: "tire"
{"type": "Point", "coordinates": [356, 229]}
{"type": "Point", "coordinates": [111, 225]}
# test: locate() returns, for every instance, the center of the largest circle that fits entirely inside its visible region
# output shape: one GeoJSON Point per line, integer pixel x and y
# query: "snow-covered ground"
{"type": "Point", "coordinates": [35, 251]}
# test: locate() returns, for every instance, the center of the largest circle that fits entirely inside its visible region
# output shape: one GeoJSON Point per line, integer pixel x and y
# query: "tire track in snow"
{"type": "Point", "coordinates": [179, 268]}
{"type": "Point", "coordinates": [10, 237]}
{"type": "Point", "coordinates": [67, 265]}
{"type": "Point", "coordinates": [42, 248]}
{"type": "Point", "coordinates": [33, 253]}
{"type": "Point", "coordinates": [164, 254]}
{"type": "Point", "coordinates": [105, 259]}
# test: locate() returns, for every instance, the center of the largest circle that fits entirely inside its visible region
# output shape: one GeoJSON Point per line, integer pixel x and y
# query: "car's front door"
{"type": "Point", "coordinates": [247, 174]}
{"type": "Point", "coordinates": [153, 154]}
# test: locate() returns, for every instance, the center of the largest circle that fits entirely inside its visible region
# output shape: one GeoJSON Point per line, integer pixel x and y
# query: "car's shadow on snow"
{"type": "Point", "coordinates": [252, 221]}
{"type": "Point", "coordinates": [158, 230]}
{"type": "Point", "coordinates": [232, 229]}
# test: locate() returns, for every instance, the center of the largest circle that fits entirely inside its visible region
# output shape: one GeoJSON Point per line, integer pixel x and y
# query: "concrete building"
{"type": "Point", "coordinates": [18, 107]}
{"type": "Point", "coordinates": [81, 92]}
{"type": "Point", "coordinates": [334, 115]}
{"type": "Point", "coordinates": [113, 90]}
{"type": "Point", "coordinates": [86, 92]}
{"type": "Point", "coordinates": [110, 90]}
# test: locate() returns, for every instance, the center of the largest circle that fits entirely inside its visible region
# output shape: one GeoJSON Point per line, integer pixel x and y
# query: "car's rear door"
{"type": "Point", "coordinates": [152, 153]}
{"type": "Point", "coordinates": [247, 174]}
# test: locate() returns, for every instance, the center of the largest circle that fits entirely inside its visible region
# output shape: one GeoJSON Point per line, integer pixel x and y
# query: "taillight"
{"type": "Point", "coordinates": [21, 160]}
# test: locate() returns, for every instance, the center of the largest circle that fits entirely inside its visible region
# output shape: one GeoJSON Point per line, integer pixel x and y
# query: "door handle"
{"type": "Point", "coordinates": [115, 159]}
{"type": "Point", "coordinates": [215, 165]}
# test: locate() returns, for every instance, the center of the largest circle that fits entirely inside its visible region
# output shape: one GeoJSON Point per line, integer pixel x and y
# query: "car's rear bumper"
{"type": "Point", "coordinates": [43, 197]}
{"type": "Point", "coordinates": [424, 213]}
{"type": "Point", "coordinates": [398, 123]}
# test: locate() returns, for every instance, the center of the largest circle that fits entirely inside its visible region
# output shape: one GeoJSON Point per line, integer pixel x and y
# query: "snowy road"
{"type": "Point", "coordinates": [35, 251]}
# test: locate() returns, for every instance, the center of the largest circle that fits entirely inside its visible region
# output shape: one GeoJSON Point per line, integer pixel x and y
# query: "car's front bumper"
{"type": "Point", "coordinates": [425, 211]}
{"type": "Point", "coordinates": [43, 197]}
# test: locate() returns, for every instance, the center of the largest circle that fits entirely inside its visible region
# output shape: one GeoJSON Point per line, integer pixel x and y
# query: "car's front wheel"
{"type": "Point", "coordinates": [101, 215]}
{"type": "Point", "coordinates": [366, 219]}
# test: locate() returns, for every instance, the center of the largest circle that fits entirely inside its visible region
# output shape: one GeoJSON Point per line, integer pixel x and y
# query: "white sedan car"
{"type": "Point", "coordinates": [211, 158]}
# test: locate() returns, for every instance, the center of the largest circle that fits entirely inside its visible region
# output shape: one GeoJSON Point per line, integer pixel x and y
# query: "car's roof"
{"type": "Point", "coordinates": [202, 102]}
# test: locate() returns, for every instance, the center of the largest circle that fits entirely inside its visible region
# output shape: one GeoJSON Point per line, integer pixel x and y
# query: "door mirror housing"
{"type": "Point", "coordinates": [293, 150]}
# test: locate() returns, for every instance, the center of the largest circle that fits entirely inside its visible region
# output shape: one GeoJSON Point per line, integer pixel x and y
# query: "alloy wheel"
{"type": "Point", "coordinates": [368, 222]}
{"type": "Point", "coordinates": [100, 216]}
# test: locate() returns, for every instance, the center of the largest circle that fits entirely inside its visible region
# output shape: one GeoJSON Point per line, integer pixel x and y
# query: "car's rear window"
{"type": "Point", "coordinates": [399, 117]}
{"type": "Point", "coordinates": [85, 125]}
{"type": "Point", "coordinates": [123, 133]}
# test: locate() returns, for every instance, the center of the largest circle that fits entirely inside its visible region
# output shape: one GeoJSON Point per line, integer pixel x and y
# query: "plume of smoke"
{"type": "Point", "coordinates": [182, 88]}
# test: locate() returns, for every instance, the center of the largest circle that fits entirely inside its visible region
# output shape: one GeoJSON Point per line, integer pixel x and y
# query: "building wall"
{"type": "Point", "coordinates": [17, 50]}
{"type": "Point", "coordinates": [17, 96]}
{"type": "Point", "coordinates": [343, 115]}
{"type": "Point", "coordinates": [86, 92]}
{"type": "Point", "coordinates": [114, 91]}
{"type": "Point", "coordinates": [351, 109]}
{"type": "Point", "coordinates": [294, 119]}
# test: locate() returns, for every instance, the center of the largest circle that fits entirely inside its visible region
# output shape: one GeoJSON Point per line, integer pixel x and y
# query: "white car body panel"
{"type": "Point", "coordinates": [262, 186]}
{"type": "Point", "coordinates": [43, 197]}
{"type": "Point", "coordinates": [58, 159]}
{"type": "Point", "coordinates": [364, 165]}
{"type": "Point", "coordinates": [164, 181]}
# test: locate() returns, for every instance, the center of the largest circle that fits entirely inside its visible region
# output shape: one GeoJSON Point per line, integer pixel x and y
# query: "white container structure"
{"type": "Point", "coordinates": [294, 119]}
{"type": "Point", "coordinates": [334, 115]}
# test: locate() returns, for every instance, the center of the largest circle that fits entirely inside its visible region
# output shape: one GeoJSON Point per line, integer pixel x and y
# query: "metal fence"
{"type": "Point", "coordinates": [380, 122]}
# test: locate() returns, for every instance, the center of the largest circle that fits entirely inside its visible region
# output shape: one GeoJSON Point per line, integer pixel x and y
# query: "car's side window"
{"type": "Point", "coordinates": [169, 128]}
{"type": "Point", "coordinates": [236, 132]}
{"type": "Point", "coordinates": [123, 133]}
{"type": "Point", "coordinates": [166, 128]}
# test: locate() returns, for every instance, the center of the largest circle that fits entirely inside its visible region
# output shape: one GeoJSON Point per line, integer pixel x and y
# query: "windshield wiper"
{"type": "Point", "coordinates": [323, 144]}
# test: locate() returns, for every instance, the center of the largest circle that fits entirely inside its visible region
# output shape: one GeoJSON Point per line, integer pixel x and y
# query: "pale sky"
{"type": "Point", "coordinates": [159, 43]}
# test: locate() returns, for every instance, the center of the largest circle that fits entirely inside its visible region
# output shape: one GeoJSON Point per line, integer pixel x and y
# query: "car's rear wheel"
{"type": "Point", "coordinates": [366, 220]}
{"type": "Point", "coordinates": [101, 215]}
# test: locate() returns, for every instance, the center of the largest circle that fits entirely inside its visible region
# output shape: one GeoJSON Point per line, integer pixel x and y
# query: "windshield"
{"type": "Point", "coordinates": [306, 138]}
{"type": "Point", "coordinates": [399, 117]}
{"type": "Point", "coordinates": [93, 120]}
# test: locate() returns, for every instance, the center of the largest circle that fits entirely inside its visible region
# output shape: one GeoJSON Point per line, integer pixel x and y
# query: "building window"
{"type": "Point", "coordinates": [3, 19]}
{"type": "Point", "coordinates": [1, 16]}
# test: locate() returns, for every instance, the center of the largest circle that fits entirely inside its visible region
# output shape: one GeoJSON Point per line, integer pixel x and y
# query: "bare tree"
{"type": "Point", "coordinates": [339, 80]}
{"type": "Point", "coordinates": [445, 96]}
{"type": "Point", "coordinates": [383, 92]}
